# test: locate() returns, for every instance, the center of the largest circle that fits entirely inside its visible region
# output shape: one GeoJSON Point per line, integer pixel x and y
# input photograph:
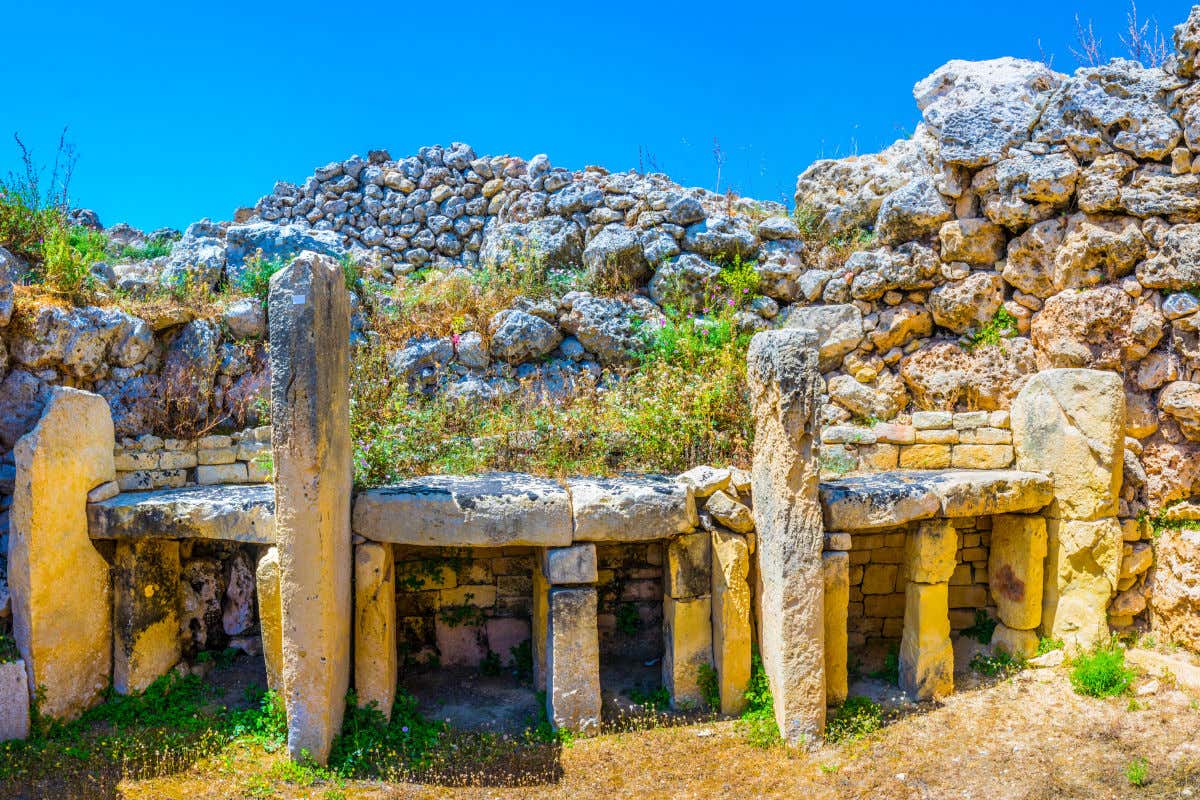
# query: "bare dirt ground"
{"type": "Point", "coordinates": [1025, 737]}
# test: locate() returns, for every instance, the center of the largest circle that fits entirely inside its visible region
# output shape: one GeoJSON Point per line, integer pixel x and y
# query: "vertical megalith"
{"type": "Point", "coordinates": [785, 388]}
{"type": "Point", "coordinates": [926, 653]}
{"type": "Point", "coordinates": [572, 659]}
{"type": "Point", "coordinates": [310, 380]}
{"type": "Point", "coordinates": [1070, 423]}
{"type": "Point", "coordinates": [61, 595]}
{"type": "Point", "coordinates": [541, 622]}
{"type": "Point", "coordinates": [146, 636]}
{"type": "Point", "coordinates": [836, 564]}
{"type": "Point", "coordinates": [375, 651]}
{"type": "Point", "coordinates": [266, 577]}
{"type": "Point", "coordinates": [687, 648]}
{"type": "Point", "coordinates": [731, 632]}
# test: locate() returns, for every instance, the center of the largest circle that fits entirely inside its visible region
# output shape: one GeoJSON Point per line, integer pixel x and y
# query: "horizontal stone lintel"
{"type": "Point", "coordinates": [890, 499]}
{"type": "Point", "coordinates": [241, 513]}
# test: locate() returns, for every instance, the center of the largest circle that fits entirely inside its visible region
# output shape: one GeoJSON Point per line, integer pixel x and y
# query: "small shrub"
{"type": "Point", "coordinates": [758, 720]}
{"type": "Point", "coordinates": [741, 279]}
{"type": "Point", "coordinates": [1001, 663]}
{"type": "Point", "coordinates": [854, 719]}
{"type": "Point", "coordinates": [67, 258]}
{"type": "Point", "coordinates": [153, 248]}
{"type": "Point", "coordinates": [1047, 645]}
{"type": "Point", "coordinates": [1102, 672]}
{"type": "Point", "coordinates": [1003, 325]}
{"type": "Point", "coordinates": [1137, 772]}
{"type": "Point", "coordinates": [982, 629]}
{"type": "Point", "coordinates": [255, 279]}
{"type": "Point", "coordinates": [710, 685]}
{"type": "Point", "coordinates": [371, 745]}
{"type": "Point", "coordinates": [657, 699]}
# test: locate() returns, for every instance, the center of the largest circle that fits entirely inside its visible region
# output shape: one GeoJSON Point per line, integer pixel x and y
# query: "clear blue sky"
{"type": "Point", "coordinates": [182, 110]}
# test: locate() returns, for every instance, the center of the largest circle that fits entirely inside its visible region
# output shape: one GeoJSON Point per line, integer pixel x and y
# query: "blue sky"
{"type": "Point", "coordinates": [182, 110]}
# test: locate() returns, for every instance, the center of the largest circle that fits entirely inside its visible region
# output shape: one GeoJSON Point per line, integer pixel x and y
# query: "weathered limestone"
{"type": "Point", "coordinates": [785, 387]}
{"type": "Point", "coordinates": [270, 621]}
{"type": "Point", "coordinates": [1019, 643]}
{"type": "Point", "coordinates": [687, 644]}
{"type": "Point", "coordinates": [375, 654]}
{"type": "Point", "coordinates": [631, 509]}
{"type": "Point", "coordinates": [730, 513]}
{"type": "Point", "coordinates": [61, 595]}
{"type": "Point", "coordinates": [1070, 424]}
{"type": "Point", "coordinates": [570, 565]}
{"type": "Point", "coordinates": [310, 380]}
{"type": "Point", "coordinates": [572, 660]}
{"type": "Point", "coordinates": [1083, 565]}
{"type": "Point", "coordinates": [477, 510]}
{"type": "Point", "coordinates": [228, 513]}
{"type": "Point", "coordinates": [540, 624]}
{"type": "Point", "coordinates": [689, 565]}
{"type": "Point", "coordinates": [836, 565]}
{"type": "Point", "coordinates": [731, 627]}
{"type": "Point", "coordinates": [14, 701]}
{"type": "Point", "coordinates": [1015, 559]}
{"type": "Point", "coordinates": [145, 613]}
{"type": "Point", "coordinates": [926, 653]}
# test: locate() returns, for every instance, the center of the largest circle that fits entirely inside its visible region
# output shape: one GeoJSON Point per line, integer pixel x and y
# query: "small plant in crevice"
{"type": "Point", "coordinates": [757, 722]}
{"type": "Point", "coordinates": [854, 719]}
{"type": "Point", "coordinates": [1137, 772]}
{"type": "Point", "coordinates": [1048, 645]}
{"type": "Point", "coordinates": [1003, 325]}
{"type": "Point", "coordinates": [1102, 672]}
{"type": "Point", "coordinates": [999, 664]}
{"type": "Point", "coordinates": [709, 684]}
{"type": "Point", "coordinates": [982, 629]}
{"type": "Point", "coordinates": [890, 671]}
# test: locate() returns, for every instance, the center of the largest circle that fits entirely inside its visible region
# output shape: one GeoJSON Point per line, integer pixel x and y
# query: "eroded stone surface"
{"type": "Point", "coordinates": [926, 653]}
{"type": "Point", "coordinates": [14, 701]}
{"type": "Point", "coordinates": [1015, 558]}
{"type": "Point", "coordinates": [631, 509]}
{"type": "Point", "coordinates": [568, 565]}
{"type": "Point", "coordinates": [572, 660]}
{"type": "Point", "coordinates": [241, 513]}
{"type": "Point", "coordinates": [270, 620]}
{"type": "Point", "coordinates": [836, 567]}
{"type": "Point", "coordinates": [1083, 563]}
{"type": "Point", "coordinates": [731, 618]}
{"type": "Point", "coordinates": [478, 510]}
{"type": "Point", "coordinates": [687, 646]}
{"type": "Point", "coordinates": [145, 613]}
{"type": "Point", "coordinates": [375, 656]}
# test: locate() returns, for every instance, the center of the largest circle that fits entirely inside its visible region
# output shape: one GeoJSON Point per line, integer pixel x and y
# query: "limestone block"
{"type": "Point", "coordinates": [573, 660]}
{"type": "Point", "coordinates": [731, 626]}
{"type": "Point", "coordinates": [14, 701]}
{"type": "Point", "coordinates": [61, 595]}
{"type": "Point", "coordinates": [210, 474]}
{"type": "Point", "coordinates": [631, 509]}
{"type": "Point", "coordinates": [689, 565]}
{"type": "Point", "coordinates": [309, 315]}
{"type": "Point", "coordinates": [501, 508]}
{"type": "Point", "coordinates": [266, 577]}
{"type": "Point", "coordinates": [540, 623]}
{"type": "Point", "coordinates": [687, 644]}
{"type": "Point", "coordinates": [1019, 643]}
{"type": "Point", "coordinates": [981, 456]}
{"type": "Point", "coordinates": [730, 513]}
{"type": "Point", "coordinates": [705, 480]}
{"type": "Point", "coordinates": [1083, 562]}
{"type": "Point", "coordinates": [930, 551]}
{"type": "Point", "coordinates": [925, 456]}
{"type": "Point", "coordinates": [926, 653]}
{"type": "Point", "coordinates": [785, 389]}
{"type": "Point", "coordinates": [228, 513]}
{"type": "Point", "coordinates": [836, 567]}
{"type": "Point", "coordinates": [567, 565]}
{"type": "Point", "coordinates": [375, 651]}
{"type": "Point", "coordinates": [1070, 424]}
{"type": "Point", "coordinates": [1015, 560]}
{"type": "Point", "coordinates": [145, 613]}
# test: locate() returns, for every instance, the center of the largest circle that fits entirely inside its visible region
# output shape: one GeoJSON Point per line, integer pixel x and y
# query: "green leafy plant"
{"type": "Point", "coordinates": [890, 671]}
{"type": "Point", "coordinates": [1047, 645]}
{"type": "Point", "coordinates": [741, 279]}
{"type": "Point", "coordinates": [658, 699]}
{"type": "Point", "coordinates": [982, 629]}
{"type": "Point", "coordinates": [67, 258]}
{"type": "Point", "coordinates": [255, 279]}
{"type": "Point", "coordinates": [490, 664]}
{"type": "Point", "coordinates": [522, 660]}
{"type": "Point", "coordinates": [998, 664]}
{"type": "Point", "coordinates": [1003, 325]}
{"type": "Point", "coordinates": [153, 248]}
{"type": "Point", "coordinates": [854, 719]}
{"type": "Point", "coordinates": [370, 744]}
{"type": "Point", "coordinates": [1137, 772]}
{"type": "Point", "coordinates": [1102, 672]}
{"type": "Point", "coordinates": [629, 621]}
{"type": "Point", "coordinates": [709, 684]}
{"type": "Point", "coordinates": [758, 720]}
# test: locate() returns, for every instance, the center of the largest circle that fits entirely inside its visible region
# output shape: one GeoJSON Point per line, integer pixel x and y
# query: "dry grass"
{"type": "Point", "coordinates": [1029, 736]}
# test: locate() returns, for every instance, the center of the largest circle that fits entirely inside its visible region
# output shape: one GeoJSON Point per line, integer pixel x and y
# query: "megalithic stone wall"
{"type": "Point", "coordinates": [62, 596]}
{"type": "Point", "coordinates": [785, 388]}
{"type": "Point", "coordinates": [309, 314]}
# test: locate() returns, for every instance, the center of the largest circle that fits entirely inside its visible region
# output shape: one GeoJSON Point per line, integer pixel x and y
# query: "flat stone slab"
{"type": "Point", "coordinates": [631, 509]}
{"type": "Point", "coordinates": [500, 508]}
{"type": "Point", "coordinates": [235, 513]}
{"type": "Point", "coordinates": [891, 499]}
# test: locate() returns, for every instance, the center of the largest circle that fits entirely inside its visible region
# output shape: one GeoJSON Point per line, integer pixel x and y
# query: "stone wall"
{"type": "Point", "coordinates": [630, 595]}
{"type": "Point", "coordinates": [218, 606]}
{"type": "Point", "coordinates": [150, 462]}
{"type": "Point", "coordinates": [921, 440]}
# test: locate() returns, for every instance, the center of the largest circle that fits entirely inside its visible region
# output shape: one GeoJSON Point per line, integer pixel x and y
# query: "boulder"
{"type": "Point", "coordinates": [614, 258]}
{"type": "Point", "coordinates": [1097, 249]}
{"type": "Point", "coordinates": [276, 242]}
{"type": "Point", "coordinates": [608, 327]}
{"type": "Point", "coordinates": [730, 513]}
{"type": "Point", "coordinates": [246, 319]}
{"type": "Point", "coordinates": [882, 398]}
{"type": "Point", "coordinates": [915, 210]}
{"type": "Point", "coordinates": [687, 283]}
{"type": "Point", "coordinates": [189, 369]}
{"type": "Point", "coordinates": [967, 304]}
{"type": "Point", "coordinates": [1173, 588]}
{"type": "Point", "coordinates": [839, 329]}
{"type": "Point", "coordinates": [1089, 328]}
{"type": "Point", "coordinates": [1083, 562]}
{"type": "Point", "coordinates": [518, 336]}
{"type": "Point", "coordinates": [974, 241]}
{"type": "Point", "coordinates": [898, 325]}
{"type": "Point", "coordinates": [909, 267]}
{"type": "Point", "coordinates": [630, 509]}
{"type": "Point", "coordinates": [548, 242]}
{"type": "Point", "coordinates": [1176, 264]}
{"type": "Point", "coordinates": [721, 238]}
{"type": "Point", "coordinates": [1181, 399]}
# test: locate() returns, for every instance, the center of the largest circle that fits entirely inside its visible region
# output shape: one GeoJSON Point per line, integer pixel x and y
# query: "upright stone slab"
{"type": "Point", "coordinates": [310, 414]}
{"type": "Point", "coordinates": [687, 648]}
{"type": "Point", "coordinates": [785, 387]}
{"type": "Point", "coordinates": [270, 613]}
{"type": "Point", "coordinates": [1083, 566]}
{"type": "Point", "coordinates": [1015, 558]}
{"type": "Point", "coordinates": [926, 654]}
{"type": "Point", "coordinates": [573, 660]}
{"type": "Point", "coordinates": [61, 595]}
{"type": "Point", "coordinates": [14, 701]}
{"type": "Point", "coordinates": [541, 623]}
{"type": "Point", "coordinates": [837, 607]}
{"type": "Point", "coordinates": [146, 641]}
{"type": "Point", "coordinates": [731, 629]}
{"type": "Point", "coordinates": [375, 653]}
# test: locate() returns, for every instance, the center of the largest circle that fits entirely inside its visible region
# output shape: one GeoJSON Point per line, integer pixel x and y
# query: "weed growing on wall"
{"type": "Point", "coordinates": [709, 684]}
{"type": "Point", "coordinates": [982, 628]}
{"type": "Point", "coordinates": [758, 720]}
{"type": "Point", "coordinates": [1002, 325]}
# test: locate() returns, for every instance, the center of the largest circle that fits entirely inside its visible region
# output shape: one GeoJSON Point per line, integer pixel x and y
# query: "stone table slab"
{"type": "Point", "coordinates": [236, 513]}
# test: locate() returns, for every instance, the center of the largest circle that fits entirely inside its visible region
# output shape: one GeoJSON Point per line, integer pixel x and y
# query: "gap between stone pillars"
{"type": "Point", "coordinates": [309, 312]}
{"type": "Point", "coordinates": [785, 387]}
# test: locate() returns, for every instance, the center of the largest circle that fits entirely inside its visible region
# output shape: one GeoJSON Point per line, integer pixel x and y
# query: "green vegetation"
{"type": "Point", "coordinates": [1002, 663]}
{"type": "Point", "coordinates": [255, 279]}
{"type": "Point", "coordinates": [1003, 325]}
{"type": "Point", "coordinates": [710, 685]}
{"type": "Point", "coordinates": [8, 648]}
{"type": "Point", "coordinates": [153, 248]}
{"type": "Point", "coordinates": [890, 671]}
{"type": "Point", "coordinates": [1137, 772]}
{"type": "Point", "coordinates": [490, 664]}
{"type": "Point", "coordinates": [629, 621]}
{"type": "Point", "coordinates": [1047, 645]}
{"type": "Point", "coordinates": [371, 745]}
{"type": "Point", "coordinates": [982, 629]}
{"type": "Point", "coordinates": [657, 699]}
{"type": "Point", "coordinates": [854, 719]}
{"type": "Point", "coordinates": [758, 720]}
{"type": "Point", "coordinates": [1102, 672]}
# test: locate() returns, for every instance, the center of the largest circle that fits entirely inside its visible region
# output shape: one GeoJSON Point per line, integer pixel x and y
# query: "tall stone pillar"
{"type": "Point", "coordinates": [61, 594]}
{"type": "Point", "coordinates": [785, 388]}
{"type": "Point", "coordinates": [145, 612]}
{"type": "Point", "coordinates": [570, 638]}
{"type": "Point", "coordinates": [1070, 423]}
{"type": "Point", "coordinates": [375, 654]}
{"type": "Point", "coordinates": [731, 632]}
{"type": "Point", "coordinates": [687, 617]}
{"type": "Point", "coordinates": [837, 611]}
{"type": "Point", "coordinates": [270, 611]}
{"type": "Point", "coordinates": [1015, 579]}
{"type": "Point", "coordinates": [310, 384]}
{"type": "Point", "coordinates": [926, 653]}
